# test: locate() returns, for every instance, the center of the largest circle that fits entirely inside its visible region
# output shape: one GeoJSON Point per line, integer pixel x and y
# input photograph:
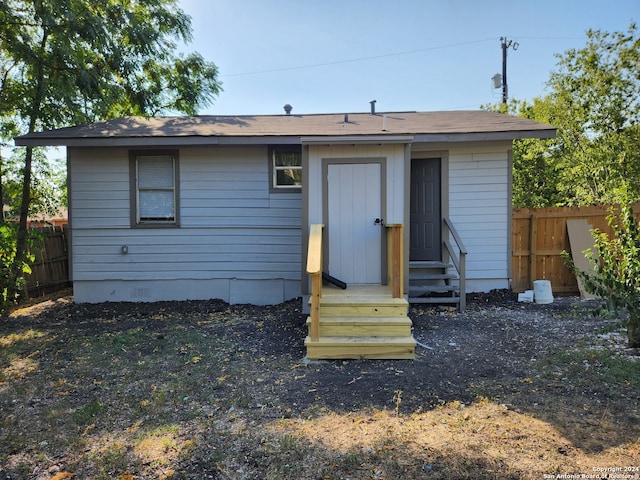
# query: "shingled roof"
{"type": "Point", "coordinates": [421, 126]}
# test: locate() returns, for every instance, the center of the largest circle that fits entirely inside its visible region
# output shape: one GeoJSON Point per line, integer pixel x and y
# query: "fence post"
{"type": "Point", "coordinates": [533, 240]}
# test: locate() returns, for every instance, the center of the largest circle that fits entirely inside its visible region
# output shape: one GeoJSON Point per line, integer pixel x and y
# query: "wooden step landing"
{"type": "Point", "coordinates": [364, 327]}
{"type": "Point", "coordinates": [381, 348]}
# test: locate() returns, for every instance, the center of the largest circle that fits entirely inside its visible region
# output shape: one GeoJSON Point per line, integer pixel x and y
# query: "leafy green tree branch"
{"type": "Point", "coordinates": [75, 61]}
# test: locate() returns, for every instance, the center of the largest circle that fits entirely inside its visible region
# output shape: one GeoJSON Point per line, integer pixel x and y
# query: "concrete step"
{"type": "Point", "coordinates": [389, 348]}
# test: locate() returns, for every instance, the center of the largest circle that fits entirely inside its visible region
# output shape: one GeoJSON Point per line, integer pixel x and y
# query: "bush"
{"type": "Point", "coordinates": [12, 276]}
{"type": "Point", "coordinates": [616, 275]}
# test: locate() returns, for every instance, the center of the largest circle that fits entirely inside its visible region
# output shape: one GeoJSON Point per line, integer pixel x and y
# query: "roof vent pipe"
{"type": "Point", "coordinates": [373, 107]}
{"type": "Point", "coordinates": [287, 109]}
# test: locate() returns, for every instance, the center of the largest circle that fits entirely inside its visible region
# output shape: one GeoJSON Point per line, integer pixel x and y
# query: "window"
{"type": "Point", "coordinates": [286, 166]}
{"type": "Point", "coordinates": [155, 188]}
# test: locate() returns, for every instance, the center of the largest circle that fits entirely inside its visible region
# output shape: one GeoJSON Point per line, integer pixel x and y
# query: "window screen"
{"type": "Point", "coordinates": [156, 188]}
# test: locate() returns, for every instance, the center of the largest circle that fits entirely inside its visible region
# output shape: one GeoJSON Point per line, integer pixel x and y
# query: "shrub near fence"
{"type": "Point", "coordinates": [539, 235]}
{"type": "Point", "coordinates": [50, 269]}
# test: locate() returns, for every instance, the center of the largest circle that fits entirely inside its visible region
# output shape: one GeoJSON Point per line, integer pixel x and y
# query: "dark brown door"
{"type": "Point", "coordinates": [425, 209]}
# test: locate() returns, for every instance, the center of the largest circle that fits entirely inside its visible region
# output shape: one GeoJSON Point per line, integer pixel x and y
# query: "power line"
{"type": "Point", "coordinates": [549, 38]}
{"type": "Point", "coordinates": [359, 59]}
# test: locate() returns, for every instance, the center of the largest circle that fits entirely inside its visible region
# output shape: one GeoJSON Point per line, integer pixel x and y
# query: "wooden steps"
{"type": "Point", "coordinates": [362, 322]}
{"type": "Point", "coordinates": [382, 348]}
{"type": "Point", "coordinates": [433, 282]}
{"type": "Point", "coordinates": [364, 327]}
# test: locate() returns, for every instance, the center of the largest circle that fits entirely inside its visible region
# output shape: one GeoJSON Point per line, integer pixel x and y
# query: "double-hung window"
{"type": "Point", "coordinates": [286, 167]}
{"type": "Point", "coordinates": [154, 182]}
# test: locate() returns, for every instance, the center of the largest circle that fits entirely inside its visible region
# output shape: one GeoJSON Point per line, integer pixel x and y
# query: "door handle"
{"type": "Point", "coordinates": [378, 221]}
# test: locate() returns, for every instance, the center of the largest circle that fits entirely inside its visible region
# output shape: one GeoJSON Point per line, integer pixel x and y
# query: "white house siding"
{"type": "Point", "coordinates": [392, 168]}
{"type": "Point", "coordinates": [479, 205]}
{"type": "Point", "coordinates": [237, 241]}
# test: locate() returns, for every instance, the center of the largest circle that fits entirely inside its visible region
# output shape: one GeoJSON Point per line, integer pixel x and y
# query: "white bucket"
{"type": "Point", "coordinates": [542, 291]}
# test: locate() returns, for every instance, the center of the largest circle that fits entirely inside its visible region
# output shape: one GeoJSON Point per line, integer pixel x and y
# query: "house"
{"type": "Point", "coordinates": [56, 219]}
{"type": "Point", "coordinates": [226, 207]}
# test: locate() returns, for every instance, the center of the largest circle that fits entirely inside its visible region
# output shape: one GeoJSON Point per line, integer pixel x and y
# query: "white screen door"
{"type": "Point", "coordinates": [355, 239]}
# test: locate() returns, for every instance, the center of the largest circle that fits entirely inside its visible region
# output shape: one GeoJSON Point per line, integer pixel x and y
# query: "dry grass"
{"type": "Point", "coordinates": [197, 393]}
{"type": "Point", "coordinates": [482, 440]}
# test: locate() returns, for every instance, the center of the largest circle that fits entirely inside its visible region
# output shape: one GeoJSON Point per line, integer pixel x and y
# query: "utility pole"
{"type": "Point", "coordinates": [505, 46]}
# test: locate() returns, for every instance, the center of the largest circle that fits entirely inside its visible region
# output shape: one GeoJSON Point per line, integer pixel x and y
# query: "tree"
{"type": "Point", "coordinates": [593, 102]}
{"type": "Point", "coordinates": [596, 108]}
{"type": "Point", "coordinates": [536, 174]}
{"type": "Point", "coordinates": [48, 183]}
{"type": "Point", "coordinates": [75, 61]}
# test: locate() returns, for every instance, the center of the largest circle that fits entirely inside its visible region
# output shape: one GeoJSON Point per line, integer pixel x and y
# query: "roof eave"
{"type": "Point", "coordinates": [181, 141]}
{"type": "Point", "coordinates": [355, 139]}
{"type": "Point", "coordinates": [195, 140]}
{"type": "Point", "coordinates": [483, 136]}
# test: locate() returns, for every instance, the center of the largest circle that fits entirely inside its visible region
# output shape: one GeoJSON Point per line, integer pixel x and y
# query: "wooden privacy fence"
{"type": "Point", "coordinates": [540, 235]}
{"type": "Point", "coordinates": [50, 269]}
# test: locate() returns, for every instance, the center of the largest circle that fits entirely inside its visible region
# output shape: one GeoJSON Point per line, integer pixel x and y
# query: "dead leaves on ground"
{"type": "Point", "coordinates": [63, 475]}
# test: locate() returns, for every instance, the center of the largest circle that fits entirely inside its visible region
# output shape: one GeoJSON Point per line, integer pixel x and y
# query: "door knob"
{"type": "Point", "coordinates": [378, 221]}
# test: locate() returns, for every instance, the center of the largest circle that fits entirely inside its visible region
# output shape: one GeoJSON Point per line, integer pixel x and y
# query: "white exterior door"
{"type": "Point", "coordinates": [355, 239]}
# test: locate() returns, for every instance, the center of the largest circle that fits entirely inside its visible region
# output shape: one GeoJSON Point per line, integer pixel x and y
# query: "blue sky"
{"type": "Point", "coordinates": [337, 55]}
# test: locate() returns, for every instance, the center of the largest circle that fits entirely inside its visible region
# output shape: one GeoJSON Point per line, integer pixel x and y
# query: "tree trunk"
{"type": "Point", "coordinates": [21, 243]}
{"type": "Point", "coordinates": [14, 289]}
{"type": "Point", "coordinates": [23, 231]}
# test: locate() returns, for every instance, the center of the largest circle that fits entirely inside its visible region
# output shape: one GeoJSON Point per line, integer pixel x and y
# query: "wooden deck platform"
{"type": "Point", "coordinates": [363, 321]}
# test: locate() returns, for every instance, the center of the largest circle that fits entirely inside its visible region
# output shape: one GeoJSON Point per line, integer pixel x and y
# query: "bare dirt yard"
{"type": "Point", "coordinates": [204, 390]}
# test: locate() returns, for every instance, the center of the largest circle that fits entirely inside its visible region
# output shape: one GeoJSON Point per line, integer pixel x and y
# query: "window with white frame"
{"type": "Point", "coordinates": [286, 167]}
{"type": "Point", "coordinates": [155, 188]}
